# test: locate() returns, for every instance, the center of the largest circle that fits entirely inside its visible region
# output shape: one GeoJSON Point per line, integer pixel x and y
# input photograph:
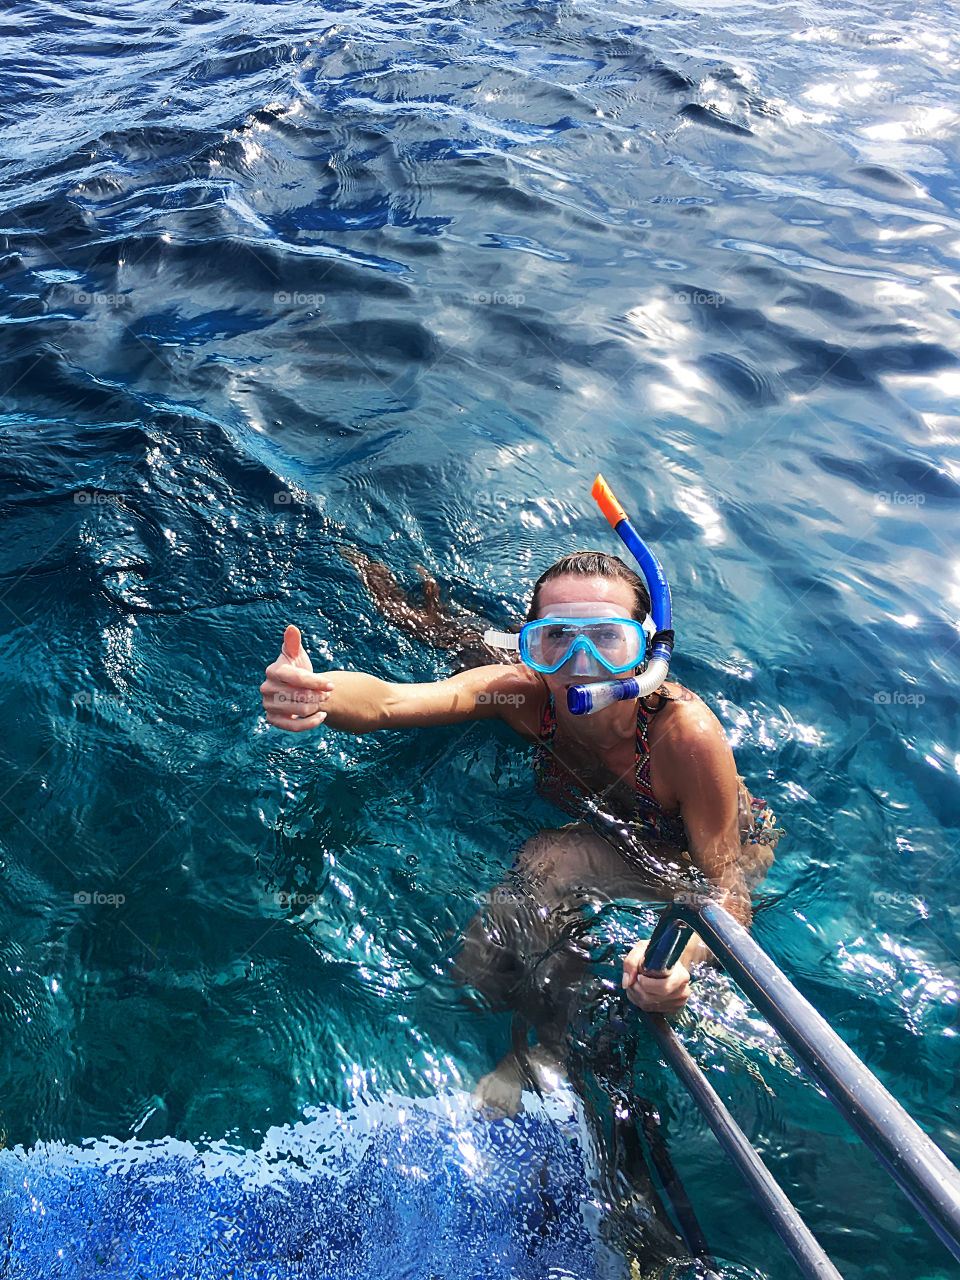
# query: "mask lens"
{"type": "Point", "coordinates": [548, 643]}
{"type": "Point", "coordinates": [556, 642]}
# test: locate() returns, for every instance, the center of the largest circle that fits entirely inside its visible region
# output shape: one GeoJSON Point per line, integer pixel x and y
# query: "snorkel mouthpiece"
{"type": "Point", "coordinates": [582, 699]}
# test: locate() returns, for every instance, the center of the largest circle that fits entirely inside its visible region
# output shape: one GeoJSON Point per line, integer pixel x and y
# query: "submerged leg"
{"type": "Point", "coordinates": [522, 944]}
{"type": "Point", "coordinates": [524, 950]}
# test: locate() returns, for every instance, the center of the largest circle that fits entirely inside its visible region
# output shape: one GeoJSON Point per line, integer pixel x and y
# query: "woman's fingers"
{"type": "Point", "coordinates": [659, 995]}
{"type": "Point", "coordinates": [282, 706]}
{"type": "Point", "coordinates": [285, 696]}
{"type": "Point", "coordinates": [288, 702]}
{"type": "Point", "coordinates": [293, 694]}
{"type": "Point", "coordinates": [666, 993]}
{"type": "Point", "coordinates": [291, 703]}
{"type": "Point", "coordinates": [295, 724]}
{"type": "Point", "coordinates": [287, 673]}
{"type": "Point", "coordinates": [633, 961]}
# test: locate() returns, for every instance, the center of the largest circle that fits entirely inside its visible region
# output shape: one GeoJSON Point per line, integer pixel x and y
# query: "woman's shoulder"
{"type": "Point", "coordinates": [525, 712]}
{"type": "Point", "coordinates": [672, 694]}
{"type": "Point", "coordinates": [672, 702]}
{"type": "Point", "coordinates": [675, 711]}
{"type": "Point", "coordinates": [683, 722]}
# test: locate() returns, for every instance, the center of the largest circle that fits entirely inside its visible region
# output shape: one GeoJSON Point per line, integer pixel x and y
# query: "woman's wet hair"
{"type": "Point", "coordinates": [430, 621]}
{"type": "Point", "coordinates": [426, 618]}
{"type": "Point", "coordinates": [594, 564]}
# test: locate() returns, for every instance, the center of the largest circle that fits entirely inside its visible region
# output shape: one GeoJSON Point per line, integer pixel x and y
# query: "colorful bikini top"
{"type": "Point", "coordinates": [558, 785]}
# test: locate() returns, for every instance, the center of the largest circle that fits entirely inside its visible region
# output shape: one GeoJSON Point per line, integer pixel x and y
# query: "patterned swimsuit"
{"type": "Point", "coordinates": [560, 787]}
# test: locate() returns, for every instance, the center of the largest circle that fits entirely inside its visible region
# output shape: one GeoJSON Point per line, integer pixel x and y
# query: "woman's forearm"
{"type": "Point", "coordinates": [357, 702]}
{"type": "Point", "coordinates": [734, 897]}
{"type": "Point", "coordinates": [725, 876]}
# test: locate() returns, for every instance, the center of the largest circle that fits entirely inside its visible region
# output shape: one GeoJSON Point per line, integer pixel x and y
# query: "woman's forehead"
{"type": "Point", "coordinates": [582, 586]}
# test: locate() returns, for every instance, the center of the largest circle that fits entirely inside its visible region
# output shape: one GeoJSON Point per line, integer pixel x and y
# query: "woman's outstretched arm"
{"type": "Point", "coordinates": [296, 698]}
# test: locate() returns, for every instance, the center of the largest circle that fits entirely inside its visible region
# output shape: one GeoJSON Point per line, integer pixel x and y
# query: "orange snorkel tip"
{"type": "Point", "coordinates": [603, 496]}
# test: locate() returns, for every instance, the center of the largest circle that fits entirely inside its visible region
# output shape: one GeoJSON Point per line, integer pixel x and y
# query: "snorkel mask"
{"type": "Point", "coordinates": [613, 644]}
{"type": "Point", "coordinates": [609, 644]}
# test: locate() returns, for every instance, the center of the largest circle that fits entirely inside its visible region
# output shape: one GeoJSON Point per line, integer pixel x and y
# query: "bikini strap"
{"type": "Point", "coordinates": [643, 753]}
{"type": "Point", "coordinates": [548, 721]}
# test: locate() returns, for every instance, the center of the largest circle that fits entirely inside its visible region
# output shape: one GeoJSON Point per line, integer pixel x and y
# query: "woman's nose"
{"type": "Point", "coordinates": [582, 661]}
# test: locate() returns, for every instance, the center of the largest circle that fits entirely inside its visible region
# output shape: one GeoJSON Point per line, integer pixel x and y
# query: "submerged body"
{"type": "Point", "coordinates": [651, 784]}
{"type": "Point", "coordinates": [522, 951]}
{"type": "Point", "coordinates": [636, 798]}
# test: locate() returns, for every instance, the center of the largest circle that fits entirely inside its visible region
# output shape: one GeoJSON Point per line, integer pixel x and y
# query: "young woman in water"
{"type": "Point", "coordinates": [661, 765]}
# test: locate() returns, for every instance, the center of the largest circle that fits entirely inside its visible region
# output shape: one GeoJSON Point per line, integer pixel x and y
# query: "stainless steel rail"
{"type": "Point", "coordinates": [917, 1165]}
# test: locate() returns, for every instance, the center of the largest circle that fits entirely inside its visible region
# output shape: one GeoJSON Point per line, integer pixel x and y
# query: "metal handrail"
{"type": "Point", "coordinates": [781, 1214]}
{"type": "Point", "coordinates": [915, 1162]}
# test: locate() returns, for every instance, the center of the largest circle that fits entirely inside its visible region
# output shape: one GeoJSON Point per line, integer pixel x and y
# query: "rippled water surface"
{"type": "Point", "coordinates": [281, 279]}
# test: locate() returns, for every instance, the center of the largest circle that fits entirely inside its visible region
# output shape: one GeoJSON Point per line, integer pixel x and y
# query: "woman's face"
{"type": "Point", "coordinates": [579, 595]}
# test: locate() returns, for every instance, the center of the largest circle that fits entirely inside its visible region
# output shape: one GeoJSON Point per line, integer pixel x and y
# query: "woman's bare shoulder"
{"type": "Point", "coordinates": [679, 694]}
{"type": "Point", "coordinates": [522, 700]}
{"type": "Point", "coordinates": [686, 723]}
{"type": "Point", "coordinates": [682, 712]}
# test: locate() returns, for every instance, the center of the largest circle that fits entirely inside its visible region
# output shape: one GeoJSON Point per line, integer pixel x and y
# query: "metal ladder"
{"type": "Point", "coordinates": [917, 1165]}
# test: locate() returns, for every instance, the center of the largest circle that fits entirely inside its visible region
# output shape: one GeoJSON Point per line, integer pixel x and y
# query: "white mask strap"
{"type": "Point", "coordinates": [502, 640]}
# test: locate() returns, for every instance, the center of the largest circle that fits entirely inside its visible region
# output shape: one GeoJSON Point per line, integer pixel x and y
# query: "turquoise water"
{"type": "Point", "coordinates": [280, 278]}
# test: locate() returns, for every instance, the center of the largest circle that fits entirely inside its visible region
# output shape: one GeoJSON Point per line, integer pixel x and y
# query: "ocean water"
{"type": "Point", "coordinates": [281, 279]}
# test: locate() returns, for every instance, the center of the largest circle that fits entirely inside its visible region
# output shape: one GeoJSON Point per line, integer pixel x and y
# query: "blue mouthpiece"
{"type": "Point", "coordinates": [584, 698]}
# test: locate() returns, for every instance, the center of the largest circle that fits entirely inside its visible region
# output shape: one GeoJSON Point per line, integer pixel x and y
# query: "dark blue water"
{"type": "Point", "coordinates": [280, 279]}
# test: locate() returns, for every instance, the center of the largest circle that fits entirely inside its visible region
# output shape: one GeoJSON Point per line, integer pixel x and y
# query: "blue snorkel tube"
{"type": "Point", "coordinates": [582, 699]}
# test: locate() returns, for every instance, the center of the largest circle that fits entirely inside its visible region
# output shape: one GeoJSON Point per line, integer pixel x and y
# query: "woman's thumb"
{"type": "Point", "coordinates": [293, 648]}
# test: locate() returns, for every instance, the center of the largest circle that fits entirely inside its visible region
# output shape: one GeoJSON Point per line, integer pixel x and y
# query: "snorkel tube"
{"type": "Point", "coordinates": [582, 699]}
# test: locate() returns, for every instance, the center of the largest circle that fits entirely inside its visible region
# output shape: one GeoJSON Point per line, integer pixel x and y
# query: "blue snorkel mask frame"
{"type": "Point", "coordinates": [582, 699]}
{"type": "Point", "coordinates": [581, 627]}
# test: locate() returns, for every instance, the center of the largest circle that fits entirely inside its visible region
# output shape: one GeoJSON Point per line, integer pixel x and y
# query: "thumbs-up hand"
{"type": "Point", "coordinates": [292, 649]}
{"type": "Point", "coordinates": [292, 693]}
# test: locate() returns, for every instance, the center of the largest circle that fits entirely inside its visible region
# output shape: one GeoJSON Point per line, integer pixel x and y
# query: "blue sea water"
{"type": "Point", "coordinates": [283, 278]}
